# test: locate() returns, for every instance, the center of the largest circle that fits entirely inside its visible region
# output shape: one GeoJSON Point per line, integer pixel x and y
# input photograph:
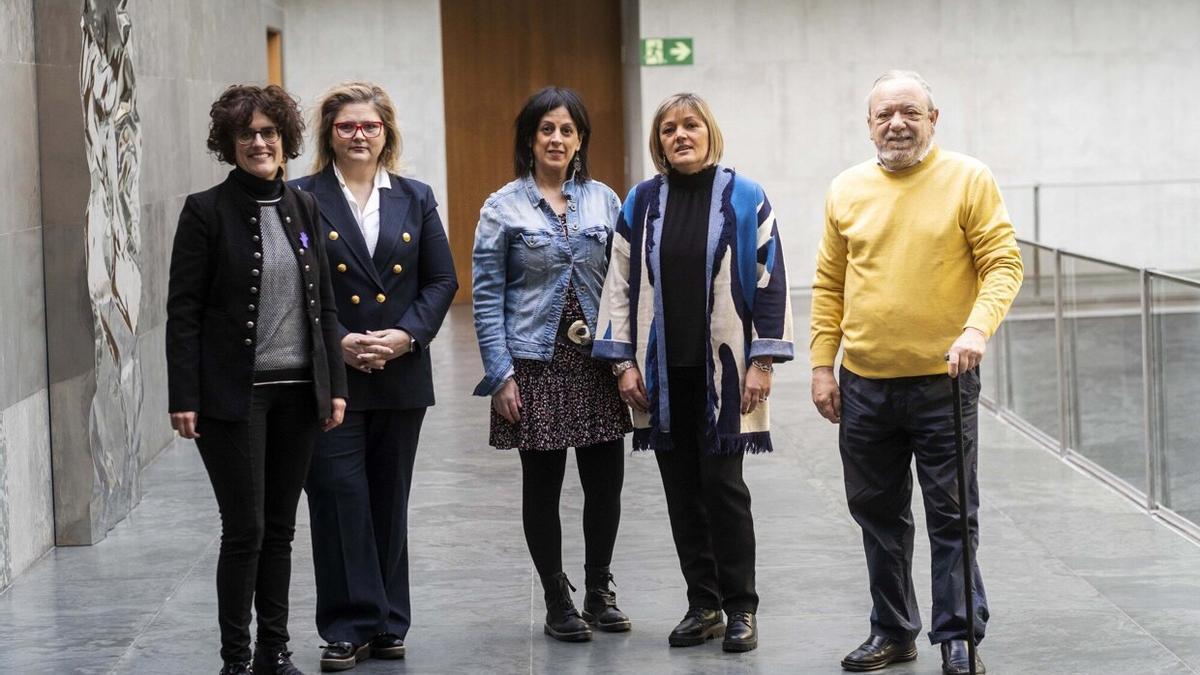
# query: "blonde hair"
{"type": "Point", "coordinates": [716, 142]}
{"type": "Point", "coordinates": [342, 95]}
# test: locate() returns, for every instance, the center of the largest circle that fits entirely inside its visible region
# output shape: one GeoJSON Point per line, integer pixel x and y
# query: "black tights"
{"type": "Point", "coordinates": [602, 472]}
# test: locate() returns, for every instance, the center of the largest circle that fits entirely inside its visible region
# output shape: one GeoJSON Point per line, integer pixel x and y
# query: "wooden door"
{"type": "Point", "coordinates": [495, 54]}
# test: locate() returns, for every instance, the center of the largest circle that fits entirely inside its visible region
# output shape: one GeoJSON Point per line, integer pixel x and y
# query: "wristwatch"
{"type": "Point", "coordinates": [622, 366]}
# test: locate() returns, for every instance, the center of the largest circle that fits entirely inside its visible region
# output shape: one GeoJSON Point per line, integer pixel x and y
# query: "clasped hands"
{"type": "Point", "coordinates": [966, 353]}
{"type": "Point", "coordinates": [372, 350]}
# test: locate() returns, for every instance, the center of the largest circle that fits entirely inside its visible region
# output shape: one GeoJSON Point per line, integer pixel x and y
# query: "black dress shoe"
{"type": "Point", "coordinates": [698, 626]}
{"type": "Point", "coordinates": [956, 660]}
{"type": "Point", "coordinates": [344, 655]}
{"type": "Point", "coordinates": [878, 652]}
{"type": "Point", "coordinates": [600, 602]}
{"type": "Point", "coordinates": [274, 661]}
{"type": "Point", "coordinates": [387, 646]}
{"type": "Point", "coordinates": [237, 668]}
{"type": "Point", "coordinates": [742, 633]}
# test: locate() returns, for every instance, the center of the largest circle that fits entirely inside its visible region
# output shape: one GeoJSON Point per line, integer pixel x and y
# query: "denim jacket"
{"type": "Point", "coordinates": [523, 264]}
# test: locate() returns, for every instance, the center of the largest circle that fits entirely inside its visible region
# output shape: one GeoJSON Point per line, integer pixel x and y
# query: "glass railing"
{"type": "Point", "coordinates": [1101, 362]}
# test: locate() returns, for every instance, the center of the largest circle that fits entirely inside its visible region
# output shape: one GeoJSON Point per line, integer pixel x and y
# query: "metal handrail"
{"type": "Point", "coordinates": [1100, 183]}
{"type": "Point", "coordinates": [1153, 495]}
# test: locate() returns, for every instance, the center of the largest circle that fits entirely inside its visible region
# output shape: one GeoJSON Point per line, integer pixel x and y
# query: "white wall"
{"type": "Point", "coordinates": [1047, 90]}
{"type": "Point", "coordinates": [395, 44]}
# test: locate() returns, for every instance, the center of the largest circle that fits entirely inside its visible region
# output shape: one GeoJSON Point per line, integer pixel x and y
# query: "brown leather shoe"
{"type": "Point", "coordinates": [879, 652]}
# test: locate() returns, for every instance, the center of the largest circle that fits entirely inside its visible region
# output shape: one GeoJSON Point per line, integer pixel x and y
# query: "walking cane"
{"type": "Point", "coordinates": [963, 521]}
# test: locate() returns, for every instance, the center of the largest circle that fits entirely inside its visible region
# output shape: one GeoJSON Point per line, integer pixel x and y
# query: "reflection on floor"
{"type": "Point", "coordinates": [1080, 581]}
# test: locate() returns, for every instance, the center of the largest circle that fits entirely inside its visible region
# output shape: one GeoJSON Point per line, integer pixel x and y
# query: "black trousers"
{"type": "Point", "coordinates": [601, 473]}
{"type": "Point", "coordinates": [708, 503]}
{"type": "Point", "coordinates": [257, 468]}
{"type": "Point", "coordinates": [358, 491]}
{"type": "Point", "coordinates": [885, 424]}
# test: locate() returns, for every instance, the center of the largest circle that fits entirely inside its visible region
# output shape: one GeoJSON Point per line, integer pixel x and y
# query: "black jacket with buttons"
{"type": "Point", "coordinates": [408, 283]}
{"type": "Point", "coordinates": [212, 302]}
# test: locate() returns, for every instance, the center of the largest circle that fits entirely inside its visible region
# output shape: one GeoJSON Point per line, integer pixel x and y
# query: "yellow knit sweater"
{"type": "Point", "coordinates": [908, 260]}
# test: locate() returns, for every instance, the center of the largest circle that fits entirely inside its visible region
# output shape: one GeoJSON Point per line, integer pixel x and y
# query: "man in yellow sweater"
{"type": "Point", "coordinates": [917, 267]}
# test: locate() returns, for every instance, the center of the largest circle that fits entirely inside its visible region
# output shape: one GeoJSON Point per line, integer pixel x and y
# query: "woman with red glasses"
{"type": "Point", "coordinates": [393, 280]}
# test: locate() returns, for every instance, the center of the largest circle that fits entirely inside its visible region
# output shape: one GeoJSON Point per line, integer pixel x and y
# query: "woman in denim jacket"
{"type": "Point", "coordinates": [541, 253]}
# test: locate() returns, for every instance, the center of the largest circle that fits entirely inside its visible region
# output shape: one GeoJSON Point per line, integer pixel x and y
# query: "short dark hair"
{"type": "Point", "coordinates": [232, 111]}
{"type": "Point", "coordinates": [526, 124]}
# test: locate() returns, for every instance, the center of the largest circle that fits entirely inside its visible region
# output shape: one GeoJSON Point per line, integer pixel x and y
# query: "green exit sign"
{"type": "Point", "coordinates": [667, 51]}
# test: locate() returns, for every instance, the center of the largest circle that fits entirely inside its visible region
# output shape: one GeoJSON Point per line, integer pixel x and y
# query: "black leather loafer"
{"type": "Point", "coordinates": [741, 635]}
{"type": "Point", "coordinates": [387, 646]}
{"type": "Point", "coordinates": [956, 660]}
{"type": "Point", "coordinates": [697, 627]}
{"type": "Point", "coordinates": [879, 652]}
{"type": "Point", "coordinates": [343, 655]}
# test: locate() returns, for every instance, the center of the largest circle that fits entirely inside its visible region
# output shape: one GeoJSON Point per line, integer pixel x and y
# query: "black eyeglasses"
{"type": "Point", "coordinates": [269, 135]}
{"type": "Point", "coordinates": [348, 129]}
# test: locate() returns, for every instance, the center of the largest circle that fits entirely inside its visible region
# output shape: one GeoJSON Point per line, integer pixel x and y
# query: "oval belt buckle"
{"type": "Point", "coordinates": [579, 333]}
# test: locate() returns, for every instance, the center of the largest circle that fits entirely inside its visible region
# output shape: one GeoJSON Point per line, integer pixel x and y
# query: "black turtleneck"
{"type": "Point", "coordinates": [258, 188]}
{"type": "Point", "coordinates": [683, 255]}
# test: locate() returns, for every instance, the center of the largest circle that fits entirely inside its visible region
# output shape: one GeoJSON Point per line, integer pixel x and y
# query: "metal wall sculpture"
{"type": "Point", "coordinates": [112, 135]}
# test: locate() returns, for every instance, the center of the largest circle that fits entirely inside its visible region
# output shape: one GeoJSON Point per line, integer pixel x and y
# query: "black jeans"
{"type": "Point", "coordinates": [257, 467]}
{"type": "Point", "coordinates": [601, 472]}
{"type": "Point", "coordinates": [708, 503]}
{"type": "Point", "coordinates": [885, 424]}
{"type": "Point", "coordinates": [358, 491]}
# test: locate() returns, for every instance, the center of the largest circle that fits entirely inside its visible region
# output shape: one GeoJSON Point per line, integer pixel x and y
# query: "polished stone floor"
{"type": "Point", "coordinates": [1080, 580]}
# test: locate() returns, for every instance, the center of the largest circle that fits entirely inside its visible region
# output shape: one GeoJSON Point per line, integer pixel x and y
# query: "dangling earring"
{"type": "Point", "coordinates": [665, 163]}
{"type": "Point", "coordinates": [578, 163]}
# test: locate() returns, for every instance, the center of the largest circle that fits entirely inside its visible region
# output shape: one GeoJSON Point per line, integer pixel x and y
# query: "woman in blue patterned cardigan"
{"type": "Point", "coordinates": [694, 313]}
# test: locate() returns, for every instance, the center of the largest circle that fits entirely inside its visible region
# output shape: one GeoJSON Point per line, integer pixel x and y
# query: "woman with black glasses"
{"type": "Point", "coordinates": [252, 360]}
{"type": "Point", "coordinates": [394, 281]}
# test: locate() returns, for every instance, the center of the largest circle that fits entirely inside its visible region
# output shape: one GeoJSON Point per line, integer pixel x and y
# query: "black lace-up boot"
{"type": "Point", "coordinates": [237, 668]}
{"type": "Point", "coordinates": [274, 661]}
{"type": "Point", "coordinates": [562, 620]}
{"type": "Point", "coordinates": [600, 602]}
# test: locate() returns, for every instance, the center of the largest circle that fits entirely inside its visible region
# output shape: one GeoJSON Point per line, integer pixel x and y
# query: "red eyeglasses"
{"type": "Point", "coordinates": [348, 129]}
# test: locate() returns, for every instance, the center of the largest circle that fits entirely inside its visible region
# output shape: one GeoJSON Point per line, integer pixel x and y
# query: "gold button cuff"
{"type": "Point", "coordinates": [354, 299]}
{"type": "Point", "coordinates": [380, 298]}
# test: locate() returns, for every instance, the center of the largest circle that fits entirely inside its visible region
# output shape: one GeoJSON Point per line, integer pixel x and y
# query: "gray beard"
{"type": "Point", "coordinates": [896, 160]}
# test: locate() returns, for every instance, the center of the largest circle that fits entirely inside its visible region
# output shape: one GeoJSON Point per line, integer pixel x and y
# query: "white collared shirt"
{"type": "Point", "coordinates": [367, 215]}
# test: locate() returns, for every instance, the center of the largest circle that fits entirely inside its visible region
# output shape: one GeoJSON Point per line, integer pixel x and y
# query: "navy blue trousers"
{"type": "Point", "coordinates": [358, 489]}
{"type": "Point", "coordinates": [886, 423]}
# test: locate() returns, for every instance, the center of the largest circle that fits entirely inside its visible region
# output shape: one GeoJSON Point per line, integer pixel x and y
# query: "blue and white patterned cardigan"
{"type": "Point", "coordinates": [749, 309]}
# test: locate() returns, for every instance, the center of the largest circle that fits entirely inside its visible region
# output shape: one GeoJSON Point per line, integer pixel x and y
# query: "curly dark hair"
{"type": "Point", "coordinates": [233, 110]}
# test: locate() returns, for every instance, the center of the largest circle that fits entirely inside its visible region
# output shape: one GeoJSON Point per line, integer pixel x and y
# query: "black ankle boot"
{"type": "Point", "coordinates": [274, 661]}
{"type": "Point", "coordinates": [562, 621]}
{"type": "Point", "coordinates": [236, 668]}
{"type": "Point", "coordinates": [600, 602]}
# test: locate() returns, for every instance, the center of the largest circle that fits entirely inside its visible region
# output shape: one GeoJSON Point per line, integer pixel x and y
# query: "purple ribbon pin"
{"type": "Point", "coordinates": [304, 239]}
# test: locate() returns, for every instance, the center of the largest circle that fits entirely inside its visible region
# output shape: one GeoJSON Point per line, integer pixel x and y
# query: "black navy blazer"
{"type": "Point", "coordinates": [408, 284]}
{"type": "Point", "coordinates": [212, 302]}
